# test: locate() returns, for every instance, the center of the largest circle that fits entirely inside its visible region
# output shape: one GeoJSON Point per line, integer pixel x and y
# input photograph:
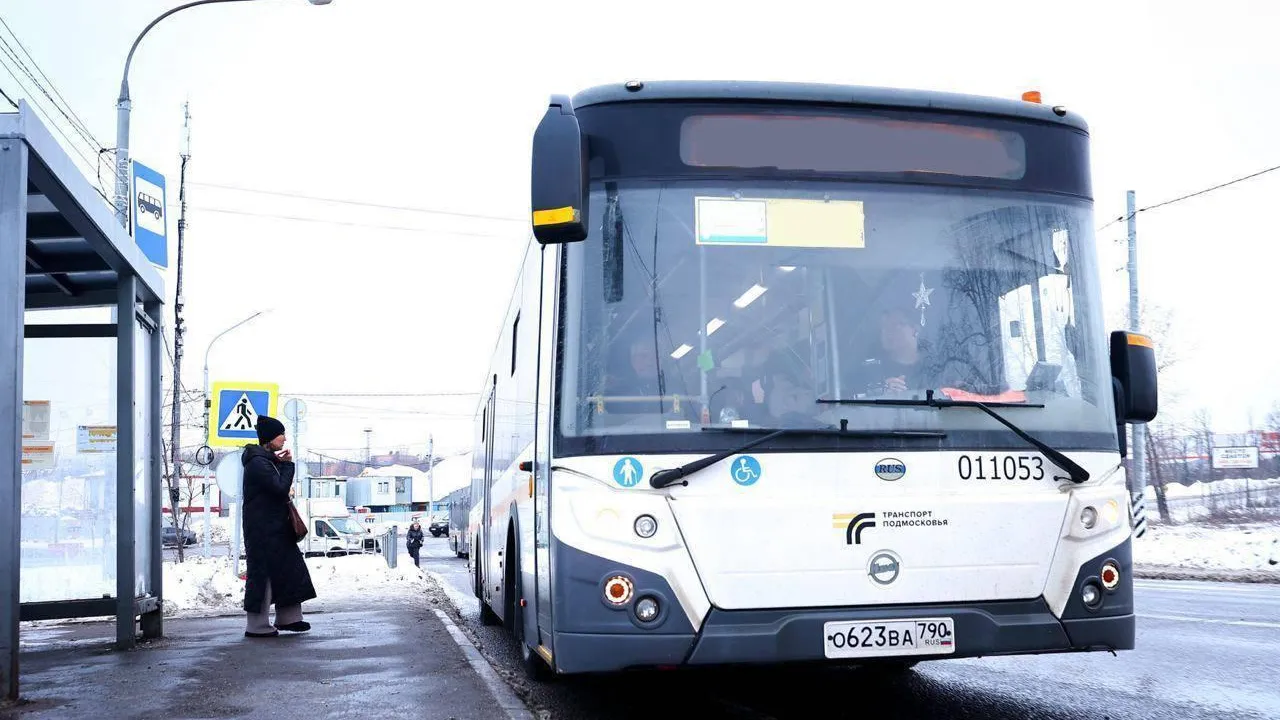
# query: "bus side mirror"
{"type": "Point", "coordinates": [1133, 365]}
{"type": "Point", "coordinates": [559, 182]}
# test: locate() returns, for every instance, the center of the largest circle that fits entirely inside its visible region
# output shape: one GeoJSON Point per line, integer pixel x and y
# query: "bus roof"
{"type": "Point", "coordinates": [813, 93]}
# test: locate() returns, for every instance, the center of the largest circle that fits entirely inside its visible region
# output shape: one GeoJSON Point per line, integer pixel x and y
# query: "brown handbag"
{"type": "Point", "coordinates": [299, 527]}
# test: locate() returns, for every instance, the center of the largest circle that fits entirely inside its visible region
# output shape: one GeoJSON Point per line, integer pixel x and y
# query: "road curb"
{"type": "Point", "coordinates": [507, 700]}
{"type": "Point", "coordinates": [1166, 572]}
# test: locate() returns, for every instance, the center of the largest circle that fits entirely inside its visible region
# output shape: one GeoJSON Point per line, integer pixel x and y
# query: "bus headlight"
{"type": "Point", "coordinates": [1111, 511]}
{"type": "Point", "coordinates": [1089, 517]}
{"type": "Point", "coordinates": [646, 526]}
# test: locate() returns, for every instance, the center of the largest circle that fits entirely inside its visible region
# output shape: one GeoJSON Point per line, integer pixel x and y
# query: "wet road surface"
{"type": "Point", "coordinates": [1205, 650]}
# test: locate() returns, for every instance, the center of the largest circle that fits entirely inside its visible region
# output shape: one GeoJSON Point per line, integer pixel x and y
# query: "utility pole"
{"type": "Point", "coordinates": [431, 476]}
{"type": "Point", "coordinates": [1138, 478]}
{"type": "Point", "coordinates": [175, 472]}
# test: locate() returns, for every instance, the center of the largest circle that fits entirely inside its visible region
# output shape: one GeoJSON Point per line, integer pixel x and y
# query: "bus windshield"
{"type": "Point", "coordinates": [694, 303]}
{"type": "Point", "coordinates": [346, 525]}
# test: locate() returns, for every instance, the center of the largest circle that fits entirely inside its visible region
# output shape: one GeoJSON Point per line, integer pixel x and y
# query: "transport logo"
{"type": "Point", "coordinates": [884, 567]}
{"type": "Point", "coordinates": [854, 525]}
{"type": "Point", "coordinates": [891, 469]}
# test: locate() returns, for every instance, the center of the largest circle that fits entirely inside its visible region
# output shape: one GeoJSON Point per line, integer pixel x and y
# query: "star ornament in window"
{"type": "Point", "coordinates": [922, 298]}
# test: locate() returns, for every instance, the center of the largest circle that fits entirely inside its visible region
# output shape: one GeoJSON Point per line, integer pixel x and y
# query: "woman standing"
{"type": "Point", "coordinates": [416, 538]}
{"type": "Point", "coordinates": [277, 573]}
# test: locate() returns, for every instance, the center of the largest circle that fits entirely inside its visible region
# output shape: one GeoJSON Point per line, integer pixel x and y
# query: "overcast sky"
{"type": "Point", "coordinates": [415, 103]}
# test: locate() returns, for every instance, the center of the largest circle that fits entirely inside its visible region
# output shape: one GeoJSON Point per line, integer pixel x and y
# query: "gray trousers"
{"type": "Point", "coordinates": [260, 622]}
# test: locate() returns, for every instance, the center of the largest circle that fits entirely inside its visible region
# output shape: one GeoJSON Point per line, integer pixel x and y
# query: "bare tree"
{"type": "Point", "coordinates": [1160, 442]}
{"type": "Point", "coordinates": [176, 514]}
{"type": "Point", "coordinates": [1203, 424]}
{"type": "Point", "coordinates": [1269, 440]}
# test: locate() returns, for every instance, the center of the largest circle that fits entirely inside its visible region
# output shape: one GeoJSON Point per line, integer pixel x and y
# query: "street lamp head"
{"type": "Point", "coordinates": [320, 2]}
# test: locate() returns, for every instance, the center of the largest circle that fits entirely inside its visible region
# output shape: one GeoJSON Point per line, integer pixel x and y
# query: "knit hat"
{"type": "Point", "coordinates": [269, 429]}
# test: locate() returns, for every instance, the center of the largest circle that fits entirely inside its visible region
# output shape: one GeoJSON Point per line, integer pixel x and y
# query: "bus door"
{"type": "Point", "coordinates": [547, 328]}
{"type": "Point", "coordinates": [486, 535]}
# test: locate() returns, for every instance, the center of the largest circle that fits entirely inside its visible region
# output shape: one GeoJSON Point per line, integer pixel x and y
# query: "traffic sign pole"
{"type": "Point", "coordinates": [208, 522]}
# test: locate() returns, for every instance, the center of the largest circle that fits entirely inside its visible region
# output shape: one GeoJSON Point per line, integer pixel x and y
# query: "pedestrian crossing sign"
{"type": "Point", "coordinates": [234, 411]}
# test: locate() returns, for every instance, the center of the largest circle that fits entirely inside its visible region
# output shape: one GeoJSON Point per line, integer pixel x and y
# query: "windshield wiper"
{"type": "Point", "coordinates": [1078, 474]}
{"type": "Point", "coordinates": [663, 478]}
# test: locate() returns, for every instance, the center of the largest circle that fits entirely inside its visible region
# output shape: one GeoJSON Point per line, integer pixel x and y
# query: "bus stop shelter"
{"type": "Point", "coordinates": [80, 361]}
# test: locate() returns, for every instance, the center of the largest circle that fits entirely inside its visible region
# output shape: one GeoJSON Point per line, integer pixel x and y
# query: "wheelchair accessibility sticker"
{"type": "Point", "coordinates": [627, 472]}
{"type": "Point", "coordinates": [745, 470]}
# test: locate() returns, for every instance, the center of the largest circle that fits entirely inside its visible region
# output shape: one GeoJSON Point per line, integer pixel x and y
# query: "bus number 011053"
{"type": "Point", "coordinates": [994, 467]}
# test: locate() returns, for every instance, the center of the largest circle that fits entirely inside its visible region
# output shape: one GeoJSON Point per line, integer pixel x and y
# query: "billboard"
{"type": "Point", "coordinates": [1235, 458]}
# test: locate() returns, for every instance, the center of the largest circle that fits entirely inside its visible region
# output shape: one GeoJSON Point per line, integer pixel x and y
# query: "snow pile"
{"type": "Point", "coordinates": [1245, 547]}
{"type": "Point", "coordinates": [202, 586]}
{"type": "Point", "coordinates": [1221, 498]}
{"type": "Point", "coordinates": [206, 587]}
{"type": "Point", "coordinates": [360, 579]}
{"type": "Point", "coordinates": [222, 528]}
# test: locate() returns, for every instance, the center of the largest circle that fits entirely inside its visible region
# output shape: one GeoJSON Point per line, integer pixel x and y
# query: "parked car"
{"type": "Point", "coordinates": [439, 526]}
{"type": "Point", "coordinates": [169, 536]}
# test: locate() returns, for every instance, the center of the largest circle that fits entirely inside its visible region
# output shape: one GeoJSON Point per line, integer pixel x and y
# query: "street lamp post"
{"type": "Point", "coordinates": [208, 401]}
{"type": "Point", "coordinates": [235, 543]}
{"type": "Point", "coordinates": [124, 103]}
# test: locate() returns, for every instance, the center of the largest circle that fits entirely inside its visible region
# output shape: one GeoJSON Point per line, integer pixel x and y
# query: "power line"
{"type": "Point", "coordinates": [75, 119]}
{"type": "Point", "coordinates": [72, 145]}
{"type": "Point", "coordinates": [360, 203]}
{"type": "Point", "coordinates": [1188, 196]}
{"type": "Point", "coordinates": [11, 54]}
{"type": "Point", "coordinates": [59, 102]}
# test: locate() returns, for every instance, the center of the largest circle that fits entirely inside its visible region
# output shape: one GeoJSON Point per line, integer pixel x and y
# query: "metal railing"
{"type": "Point", "coordinates": [390, 541]}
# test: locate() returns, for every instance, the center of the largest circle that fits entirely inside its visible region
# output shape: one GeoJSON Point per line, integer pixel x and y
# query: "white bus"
{"type": "Point", "coordinates": [798, 373]}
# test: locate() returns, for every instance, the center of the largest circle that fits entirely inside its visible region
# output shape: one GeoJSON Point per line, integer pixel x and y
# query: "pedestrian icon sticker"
{"type": "Point", "coordinates": [234, 411]}
{"type": "Point", "coordinates": [745, 470]}
{"type": "Point", "coordinates": [627, 472]}
{"type": "Point", "coordinates": [242, 415]}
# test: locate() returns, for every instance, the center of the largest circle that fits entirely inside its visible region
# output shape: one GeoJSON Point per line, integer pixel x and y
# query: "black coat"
{"type": "Point", "coordinates": [415, 539]}
{"type": "Point", "coordinates": [270, 547]}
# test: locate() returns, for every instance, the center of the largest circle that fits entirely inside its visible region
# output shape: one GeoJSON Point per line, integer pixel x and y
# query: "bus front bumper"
{"type": "Point", "coordinates": [784, 636]}
{"type": "Point", "coordinates": [607, 641]}
{"type": "Point", "coordinates": [996, 628]}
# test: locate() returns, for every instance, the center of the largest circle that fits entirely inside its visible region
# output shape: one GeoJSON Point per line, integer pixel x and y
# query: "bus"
{"type": "Point", "coordinates": [800, 373]}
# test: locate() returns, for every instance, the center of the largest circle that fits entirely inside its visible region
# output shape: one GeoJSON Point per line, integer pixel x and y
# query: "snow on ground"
{"type": "Point", "coordinates": [1243, 547]}
{"type": "Point", "coordinates": [221, 532]}
{"type": "Point", "coordinates": [204, 587]}
{"type": "Point", "coordinates": [201, 586]}
{"type": "Point", "coordinates": [1203, 500]}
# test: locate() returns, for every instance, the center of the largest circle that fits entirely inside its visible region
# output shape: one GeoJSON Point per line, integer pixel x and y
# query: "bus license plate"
{"type": "Point", "coordinates": [928, 636]}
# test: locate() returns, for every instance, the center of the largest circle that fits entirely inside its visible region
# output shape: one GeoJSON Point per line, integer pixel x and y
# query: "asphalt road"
{"type": "Point", "coordinates": [1205, 650]}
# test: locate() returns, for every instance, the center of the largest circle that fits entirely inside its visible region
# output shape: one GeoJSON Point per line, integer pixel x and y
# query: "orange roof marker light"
{"type": "Point", "coordinates": [1032, 96]}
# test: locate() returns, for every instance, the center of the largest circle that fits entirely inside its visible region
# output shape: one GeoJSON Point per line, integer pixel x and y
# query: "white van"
{"type": "Point", "coordinates": [332, 529]}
